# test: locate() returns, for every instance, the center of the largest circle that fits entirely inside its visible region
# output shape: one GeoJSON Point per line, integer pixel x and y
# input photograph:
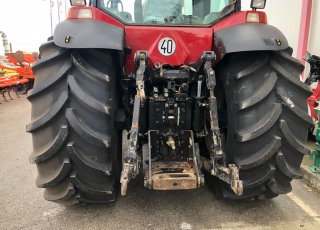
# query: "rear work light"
{"type": "Point", "coordinates": [78, 2]}
{"type": "Point", "coordinates": [258, 4]}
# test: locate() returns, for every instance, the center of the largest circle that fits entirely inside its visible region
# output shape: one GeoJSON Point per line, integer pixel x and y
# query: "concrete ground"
{"type": "Point", "coordinates": [22, 205]}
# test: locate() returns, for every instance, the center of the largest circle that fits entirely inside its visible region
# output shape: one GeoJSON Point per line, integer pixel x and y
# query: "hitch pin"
{"type": "Point", "coordinates": [199, 89]}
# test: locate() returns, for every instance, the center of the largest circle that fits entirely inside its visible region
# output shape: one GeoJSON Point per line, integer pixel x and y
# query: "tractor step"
{"type": "Point", "coordinates": [173, 176]}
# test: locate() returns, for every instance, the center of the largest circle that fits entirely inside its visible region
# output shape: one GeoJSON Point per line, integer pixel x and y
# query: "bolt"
{"type": "Point", "coordinates": [182, 110]}
{"type": "Point", "coordinates": [184, 87]}
{"type": "Point", "coordinates": [157, 122]}
{"type": "Point", "coordinates": [166, 94]}
{"type": "Point", "coordinates": [182, 122]}
{"type": "Point", "coordinates": [157, 65]}
{"type": "Point", "coordinates": [182, 104]}
{"type": "Point", "coordinates": [155, 89]}
{"type": "Point", "coordinates": [155, 95]}
{"type": "Point", "coordinates": [211, 72]}
{"type": "Point", "coordinates": [157, 110]}
{"type": "Point", "coordinates": [157, 104]}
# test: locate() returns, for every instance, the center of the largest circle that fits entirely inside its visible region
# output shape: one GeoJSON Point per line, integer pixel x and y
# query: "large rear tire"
{"type": "Point", "coordinates": [75, 144]}
{"type": "Point", "coordinates": [267, 121]}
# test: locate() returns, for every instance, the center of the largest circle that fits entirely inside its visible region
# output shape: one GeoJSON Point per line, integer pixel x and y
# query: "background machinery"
{"type": "Point", "coordinates": [15, 71]}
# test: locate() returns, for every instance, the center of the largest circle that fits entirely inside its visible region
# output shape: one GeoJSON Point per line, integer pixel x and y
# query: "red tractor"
{"type": "Point", "coordinates": [207, 92]}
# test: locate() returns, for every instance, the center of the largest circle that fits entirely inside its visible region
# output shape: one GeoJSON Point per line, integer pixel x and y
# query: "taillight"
{"type": "Point", "coordinates": [80, 13]}
{"type": "Point", "coordinates": [253, 17]}
{"type": "Point", "coordinates": [85, 13]}
{"type": "Point", "coordinates": [256, 17]}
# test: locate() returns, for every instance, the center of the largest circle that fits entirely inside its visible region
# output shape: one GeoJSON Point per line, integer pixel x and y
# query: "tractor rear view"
{"type": "Point", "coordinates": [207, 92]}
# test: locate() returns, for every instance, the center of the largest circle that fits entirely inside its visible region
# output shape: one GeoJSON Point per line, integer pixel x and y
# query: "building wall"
{"type": "Point", "coordinates": [314, 36]}
{"type": "Point", "coordinates": [285, 15]}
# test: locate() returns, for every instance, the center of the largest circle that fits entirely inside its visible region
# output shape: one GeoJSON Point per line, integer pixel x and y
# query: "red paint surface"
{"type": "Point", "coordinates": [304, 30]}
{"type": "Point", "coordinates": [312, 101]}
{"type": "Point", "coordinates": [96, 15]}
{"type": "Point", "coordinates": [190, 43]}
{"type": "Point", "coordinates": [239, 18]}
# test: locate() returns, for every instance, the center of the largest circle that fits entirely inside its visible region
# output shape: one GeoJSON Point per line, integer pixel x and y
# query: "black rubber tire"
{"type": "Point", "coordinates": [75, 144]}
{"type": "Point", "coordinates": [267, 121]}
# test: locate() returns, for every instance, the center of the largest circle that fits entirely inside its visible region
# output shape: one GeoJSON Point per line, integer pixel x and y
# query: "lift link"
{"type": "Point", "coordinates": [130, 168]}
{"type": "Point", "coordinates": [217, 165]}
{"type": "Point", "coordinates": [141, 58]}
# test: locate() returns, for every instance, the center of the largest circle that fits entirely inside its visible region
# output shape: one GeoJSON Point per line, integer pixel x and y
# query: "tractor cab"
{"type": "Point", "coordinates": [168, 12]}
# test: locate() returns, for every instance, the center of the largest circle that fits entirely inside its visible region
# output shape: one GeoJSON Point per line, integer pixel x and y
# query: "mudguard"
{"type": "Point", "coordinates": [88, 34]}
{"type": "Point", "coordinates": [248, 37]}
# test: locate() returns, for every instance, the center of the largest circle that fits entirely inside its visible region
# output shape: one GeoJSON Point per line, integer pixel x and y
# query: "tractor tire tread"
{"type": "Point", "coordinates": [267, 130]}
{"type": "Point", "coordinates": [74, 140]}
{"type": "Point", "coordinates": [58, 75]}
{"type": "Point", "coordinates": [260, 94]}
{"type": "Point", "coordinates": [37, 157]}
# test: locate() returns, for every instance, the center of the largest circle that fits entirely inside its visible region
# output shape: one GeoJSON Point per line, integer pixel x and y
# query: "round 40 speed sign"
{"type": "Point", "coordinates": [166, 46]}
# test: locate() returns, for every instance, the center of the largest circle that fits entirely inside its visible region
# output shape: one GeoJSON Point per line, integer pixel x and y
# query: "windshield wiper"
{"type": "Point", "coordinates": [192, 19]}
{"type": "Point", "coordinates": [169, 19]}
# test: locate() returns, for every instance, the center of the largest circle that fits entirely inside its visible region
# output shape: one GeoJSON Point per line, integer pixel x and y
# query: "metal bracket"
{"type": "Point", "coordinates": [217, 164]}
{"type": "Point", "coordinates": [164, 177]}
{"type": "Point", "coordinates": [196, 161]}
{"type": "Point", "coordinates": [208, 58]}
{"type": "Point", "coordinates": [229, 175]}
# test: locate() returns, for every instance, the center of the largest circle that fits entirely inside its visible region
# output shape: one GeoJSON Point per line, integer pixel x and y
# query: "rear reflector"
{"type": "Point", "coordinates": [85, 13]}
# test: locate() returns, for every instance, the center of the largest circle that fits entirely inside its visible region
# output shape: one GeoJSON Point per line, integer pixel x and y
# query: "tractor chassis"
{"type": "Point", "coordinates": [180, 168]}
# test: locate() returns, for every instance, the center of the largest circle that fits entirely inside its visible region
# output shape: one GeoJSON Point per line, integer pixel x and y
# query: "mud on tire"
{"type": "Point", "coordinates": [74, 141]}
{"type": "Point", "coordinates": [267, 121]}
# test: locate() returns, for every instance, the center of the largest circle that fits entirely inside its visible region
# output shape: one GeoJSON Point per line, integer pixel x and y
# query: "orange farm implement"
{"type": "Point", "coordinates": [17, 75]}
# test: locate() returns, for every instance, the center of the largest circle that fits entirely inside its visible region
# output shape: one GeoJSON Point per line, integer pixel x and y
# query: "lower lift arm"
{"type": "Point", "coordinates": [217, 164]}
